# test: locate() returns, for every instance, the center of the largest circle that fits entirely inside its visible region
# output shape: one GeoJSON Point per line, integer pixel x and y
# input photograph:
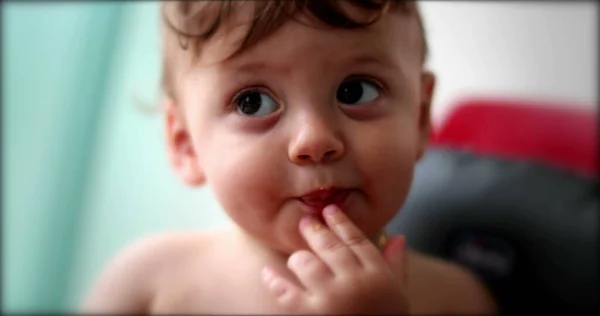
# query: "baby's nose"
{"type": "Point", "coordinates": [317, 141]}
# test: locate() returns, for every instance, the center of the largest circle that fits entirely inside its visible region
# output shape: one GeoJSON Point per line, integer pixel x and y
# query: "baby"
{"type": "Point", "coordinates": [306, 119]}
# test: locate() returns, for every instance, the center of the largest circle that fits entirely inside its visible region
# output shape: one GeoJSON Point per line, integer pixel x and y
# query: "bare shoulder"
{"type": "Point", "coordinates": [454, 289]}
{"type": "Point", "coordinates": [130, 280]}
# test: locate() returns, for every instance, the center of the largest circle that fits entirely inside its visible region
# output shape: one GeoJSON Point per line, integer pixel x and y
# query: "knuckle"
{"type": "Point", "coordinates": [351, 234]}
{"type": "Point", "coordinates": [331, 245]}
{"type": "Point", "coordinates": [355, 240]}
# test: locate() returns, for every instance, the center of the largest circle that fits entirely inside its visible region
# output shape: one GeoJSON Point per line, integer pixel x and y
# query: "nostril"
{"type": "Point", "coordinates": [327, 154]}
{"type": "Point", "coordinates": [330, 153]}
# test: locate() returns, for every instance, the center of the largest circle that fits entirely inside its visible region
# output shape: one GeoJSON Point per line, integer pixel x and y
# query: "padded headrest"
{"type": "Point", "coordinates": [561, 135]}
{"type": "Point", "coordinates": [509, 190]}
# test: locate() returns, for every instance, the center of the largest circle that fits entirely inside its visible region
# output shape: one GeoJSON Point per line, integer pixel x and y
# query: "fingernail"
{"type": "Point", "coordinates": [309, 222]}
{"type": "Point", "coordinates": [305, 222]}
{"type": "Point", "coordinates": [331, 210]}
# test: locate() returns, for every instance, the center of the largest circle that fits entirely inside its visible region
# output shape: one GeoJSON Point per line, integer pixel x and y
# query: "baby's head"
{"type": "Point", "coordinates": [269, 102]}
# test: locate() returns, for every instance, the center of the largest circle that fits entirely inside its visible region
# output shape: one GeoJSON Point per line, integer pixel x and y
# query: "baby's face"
{"type": "Point", "coordinates": [306, 117]}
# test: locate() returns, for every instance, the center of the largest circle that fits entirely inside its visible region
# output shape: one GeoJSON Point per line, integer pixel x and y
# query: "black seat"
{"type": "Point", "coordinates": [526, 228]}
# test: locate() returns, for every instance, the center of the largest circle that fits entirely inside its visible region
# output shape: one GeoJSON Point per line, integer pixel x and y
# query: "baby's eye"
{"type": "Point", "coordinates": [254, 103]}
{"type": "Point", "coordinates": [357, 91]}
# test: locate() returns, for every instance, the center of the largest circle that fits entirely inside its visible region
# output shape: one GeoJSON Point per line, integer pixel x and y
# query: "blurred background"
{"type": "Point", "coordinates": [84, 166]}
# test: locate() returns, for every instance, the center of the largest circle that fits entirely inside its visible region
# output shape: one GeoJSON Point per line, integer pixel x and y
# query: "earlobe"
{"type": "Point", "coordinates": [180, 147]}
{"type": "Point", "coordinates": [427, 92]}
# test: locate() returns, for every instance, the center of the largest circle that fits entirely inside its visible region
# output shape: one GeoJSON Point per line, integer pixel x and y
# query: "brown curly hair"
{"type": "Point", "coordinates": [194, 22]}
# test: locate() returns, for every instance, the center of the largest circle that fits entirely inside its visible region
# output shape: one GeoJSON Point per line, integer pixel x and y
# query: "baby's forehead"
{"type": "Point", "coordinates": [390, 38]}
{"type": "Point", "coordinates": [230, 30]}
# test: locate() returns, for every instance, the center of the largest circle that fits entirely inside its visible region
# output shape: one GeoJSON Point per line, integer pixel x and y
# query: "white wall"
{"type": "Point", "coordinates": [536, 49]}
{"type": "Point", "coordinates": [500, 48]}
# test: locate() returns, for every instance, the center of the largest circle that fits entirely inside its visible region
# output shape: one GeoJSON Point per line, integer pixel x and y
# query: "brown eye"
{"type": "Point", "coordinates": [357, 91]}
{"type": "Point", "coordinates": [254, 103]}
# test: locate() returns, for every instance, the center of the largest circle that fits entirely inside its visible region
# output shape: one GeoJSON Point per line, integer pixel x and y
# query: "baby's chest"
{"type": "Point", "coordinates": [216, 293]}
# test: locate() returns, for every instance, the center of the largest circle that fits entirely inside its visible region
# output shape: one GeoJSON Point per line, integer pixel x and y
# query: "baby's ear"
{"type": "Point", "coordinates": [427, 92]}
{"type": "Point", "coordinates": [180, 146]}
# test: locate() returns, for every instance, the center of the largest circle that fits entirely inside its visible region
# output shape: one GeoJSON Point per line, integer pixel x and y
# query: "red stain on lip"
{"type": "Point", "coordinates": [318, 199]}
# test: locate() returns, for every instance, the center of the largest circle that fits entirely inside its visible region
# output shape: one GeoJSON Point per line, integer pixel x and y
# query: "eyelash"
{"type": "Point", "coordinates": [381, 88]}
{"type": "Point", "coordinates": [237, 95]}
{"type": "Point", "coordinates": [258, 89]}
{"type": "Point", "coordinates": [255, 89]}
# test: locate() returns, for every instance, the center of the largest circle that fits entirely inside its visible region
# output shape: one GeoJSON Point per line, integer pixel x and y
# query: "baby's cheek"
{"type": "Point", "coordinates": [243, 182]}
{"type": "Point", "coordinates": [388, 168]}
{"type": "Point", "coordinates": [388, 154]}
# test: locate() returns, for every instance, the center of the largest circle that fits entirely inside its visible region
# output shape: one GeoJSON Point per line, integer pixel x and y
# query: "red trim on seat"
{"type": "Point", "coordinates": [555, 134]}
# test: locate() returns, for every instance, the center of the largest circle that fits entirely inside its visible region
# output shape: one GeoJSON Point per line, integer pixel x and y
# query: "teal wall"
{"type": "Point", "coordinates": [133, 191]}
{"type": "Point", "coordinates": [55, 60]}
{"type": "Point", "coordinates": [85, 169]}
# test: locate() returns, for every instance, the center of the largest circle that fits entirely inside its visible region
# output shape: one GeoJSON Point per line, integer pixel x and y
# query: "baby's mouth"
{"type": "Point", "coordinates": [318, 199]}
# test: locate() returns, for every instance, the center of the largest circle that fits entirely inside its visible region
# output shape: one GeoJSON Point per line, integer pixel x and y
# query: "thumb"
{"type": "Point", "coordinates": [395, 255]}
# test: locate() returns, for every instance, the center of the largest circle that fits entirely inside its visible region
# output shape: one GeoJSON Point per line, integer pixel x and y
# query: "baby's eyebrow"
{"type": "Point", "coordinates": [373, 60]}
{"type": "Point", "coordinates": [261, 66]}
{"type": "Point", "coordinates": [380, 61]}
{"type": "Point", "coordinates": [251, 68]}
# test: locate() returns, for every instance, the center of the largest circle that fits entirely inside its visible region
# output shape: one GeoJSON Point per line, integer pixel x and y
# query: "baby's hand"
{"type": "Point", "coordinates": [346, 274]}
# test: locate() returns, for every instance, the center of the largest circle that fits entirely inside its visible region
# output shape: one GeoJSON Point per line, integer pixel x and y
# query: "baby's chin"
{"type": "Point", "coordinates": [282, 235]}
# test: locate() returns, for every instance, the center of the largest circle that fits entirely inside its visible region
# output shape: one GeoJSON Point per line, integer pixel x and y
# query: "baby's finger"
{"type": "Point", "coordinates": [396, 256]}
{"type": "Point", "coordinates": [327, 246]}
{"type": "Point", "coordinates": [363, 249]}
{"type": "Point", "coordinates": [286, 292]}
{"type": "Point", "coordinates": [310, 270]}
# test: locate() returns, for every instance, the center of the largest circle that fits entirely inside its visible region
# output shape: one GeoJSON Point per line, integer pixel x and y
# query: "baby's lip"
{"type": "Point", "coordinates": [318, 199]}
